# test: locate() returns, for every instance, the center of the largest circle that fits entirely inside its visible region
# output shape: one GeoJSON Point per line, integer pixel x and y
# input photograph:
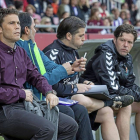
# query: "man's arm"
{"type": "Point", "coordinates": [40, 82]}
{"type": "Point", "coordinates": [35, 78]}
{"type": "Point", "coordinates": [104, 70]}
{"type": "Point", "coordinates": [54, 72]}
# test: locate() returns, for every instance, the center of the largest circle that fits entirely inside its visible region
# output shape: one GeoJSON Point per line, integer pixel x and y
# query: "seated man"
{"type": "Point", "coordinates": [112, 65]}
{"type": "Point", "coordinates": [15, 69]}
{"type": "Point", "coordinates": [53, 73]}
{"type": "Point", "coordinates": [71, 36]}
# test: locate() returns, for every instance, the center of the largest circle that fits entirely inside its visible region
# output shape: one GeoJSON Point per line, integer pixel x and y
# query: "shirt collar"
{"type": "Point", "coordinates": [7, 48]}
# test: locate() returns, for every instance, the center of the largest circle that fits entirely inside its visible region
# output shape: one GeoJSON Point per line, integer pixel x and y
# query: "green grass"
{"type": "Point", "coordinates": [1, 138]}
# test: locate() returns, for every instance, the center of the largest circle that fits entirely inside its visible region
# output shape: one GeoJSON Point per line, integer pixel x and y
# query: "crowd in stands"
{"type": "Point", "coordinates": [93, 12]}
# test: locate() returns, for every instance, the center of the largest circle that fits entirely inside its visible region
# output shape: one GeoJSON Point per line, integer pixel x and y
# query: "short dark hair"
{"type": "Point", "coordinates": [25, 20]}
{"type": "Point", "coordinates": [70, 24]}
{"type": "Point", "coordinates": [5, 12]}
{"type": "Point", "coordinates": [125, 28]}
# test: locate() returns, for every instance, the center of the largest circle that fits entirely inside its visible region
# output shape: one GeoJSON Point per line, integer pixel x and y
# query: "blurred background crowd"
{"type": "Point", "coordinates": [93, 12]}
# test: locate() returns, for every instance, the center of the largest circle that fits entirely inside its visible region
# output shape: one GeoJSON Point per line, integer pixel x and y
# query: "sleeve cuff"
{"type": "Point", "coordinates": [22, 94]}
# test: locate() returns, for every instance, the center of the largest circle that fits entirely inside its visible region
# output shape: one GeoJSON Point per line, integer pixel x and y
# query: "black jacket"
{"type": "Point", "coordinates": [107, 67]}
{"type": "Point", "coordinates": [60, 54]}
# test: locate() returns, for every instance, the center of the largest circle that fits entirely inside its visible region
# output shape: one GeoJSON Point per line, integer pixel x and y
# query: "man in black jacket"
{"type": "Point", "coordinates": [112, 66]}
{"type": "Point", "coordinates": [70, 36]}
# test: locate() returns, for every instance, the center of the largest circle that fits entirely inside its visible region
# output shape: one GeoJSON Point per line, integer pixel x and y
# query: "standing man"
{"type": "Point", "coordinates": [71, 36]}
{"type": "Point", "coordinates": [15, 69]}
{"type": "Point", "coordinates": [53, 73]}
{"type": "Point", "coordinates": [112, 66]}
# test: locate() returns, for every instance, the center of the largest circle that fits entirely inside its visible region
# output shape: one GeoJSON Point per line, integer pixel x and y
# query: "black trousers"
{"type": "Point", "coordinates": [16, 122]}
{"type": "Point", "coordinates": [80, 114]}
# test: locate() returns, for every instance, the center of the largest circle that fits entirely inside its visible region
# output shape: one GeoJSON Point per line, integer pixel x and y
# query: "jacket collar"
{"type": "Point", "coordinates": [64, 46]}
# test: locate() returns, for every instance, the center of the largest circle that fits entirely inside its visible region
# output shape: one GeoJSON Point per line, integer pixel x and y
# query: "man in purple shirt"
{"type": "Point", "coordinates": [15, 69]}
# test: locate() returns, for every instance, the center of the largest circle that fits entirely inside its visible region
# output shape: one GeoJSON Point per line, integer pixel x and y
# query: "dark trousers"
{"type": "Point", "coordinates": [16, 122]}
{"type": "Point", "coordinates": [80, 114]}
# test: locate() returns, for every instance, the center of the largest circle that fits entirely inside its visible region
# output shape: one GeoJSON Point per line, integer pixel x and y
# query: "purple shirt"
{"type": "Point", "coordinates": [15, 69]}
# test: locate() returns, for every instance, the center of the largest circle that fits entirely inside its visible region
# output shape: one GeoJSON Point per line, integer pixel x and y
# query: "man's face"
{"type": "Point", "coordinates": [49, 12]}
{"type": "Point", "coordinates": [10, 30]}
{"type": "Point", "coordinates": [32, 31]}
{"type": "Point", "coordinates": [124, 43]}
{"type": "Point", "coordinates": [78, 39]}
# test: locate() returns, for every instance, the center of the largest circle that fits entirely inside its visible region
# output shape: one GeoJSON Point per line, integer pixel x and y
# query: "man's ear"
{"type": "Point", "coordinates": [69, 36]}
{"type": "Point", "coordinates": [0, 30]}
{"type": "Point", "coordinates": [27, 30]}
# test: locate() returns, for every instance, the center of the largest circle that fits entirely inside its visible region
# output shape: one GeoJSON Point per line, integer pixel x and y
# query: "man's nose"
{"type": "Point", "coordinates": [126, 43]}
{"type": "Point", "coordinates": [83, 39]}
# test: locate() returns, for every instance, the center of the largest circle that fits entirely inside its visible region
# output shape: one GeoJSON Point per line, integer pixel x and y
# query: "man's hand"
{"type": "Point", "coordinates": [52, 99]}
{"type": "Point", "coordinates": [29, 95]}
{"type": "Point", "coordinates": [88, 82]}
{"type": "Point", "coordinates": [79, 64]}
{"type": "Point", "coordinates": [68, 68]}
{"type": "Point", "coordinates": [83, 88]}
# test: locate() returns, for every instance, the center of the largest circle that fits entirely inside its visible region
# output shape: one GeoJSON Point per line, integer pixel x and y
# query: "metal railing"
{"type": "Point", "coordinates": [87, 27]}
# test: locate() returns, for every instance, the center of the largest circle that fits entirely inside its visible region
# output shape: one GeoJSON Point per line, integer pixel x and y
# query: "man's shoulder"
{"type": "Point", "coordinates": [106, 47]}
{"type": "Point", "coordinates": [55, 45]}
{"type": "Point", "coordinates": [22, 43]}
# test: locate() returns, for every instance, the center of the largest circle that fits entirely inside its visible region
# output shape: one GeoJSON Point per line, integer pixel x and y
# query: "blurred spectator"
{"type": "Point", "coordinates": [19, 5]}
{"type": "Point", "coordinates": [112, 13]}
{"type": "Point", "coordinates": [124, 6]}
{"type": "Point", "coordinates": [133, 12]}
{"type": "Point", "coordinates": [37, 22]}
{"type": "Point", "coordinates": [31, 10]}
{"type": "Point", "coordinates": [95, 4]}
{"type": "Point", "coordinates": [138, 13]}
{"type": "Point", "coordinates": [3, 4]}
{"type": "Point", "coordinates": [106, 22]}
{"type": "Point", "coordinates": [123, 15]}
{"type": "Point", "coordinates": [11, 6]}
{"type": "Point", "coordinates": [64, 7]}
{"type": "Point", "coordinates": [7, 2]}
{"type": "Point", "coordinates": [64, 15]}
{"type": "Point", "coordinates": [128, 16]}
{"type": "Point", "coordinates": [46, 21]}
{"type": "Point", "coordinates": [129, 2]}
{"type": "Point", "coordinates": [38, 4]}
{"type": "Point", "coordinates": [126, 21]}
{"type": "Point", "coordinates": [49, 13]}
{"type": "Point", "coordinates": [55, 6]}
{"type": "Point", "coordinates": [138, 25]}
{"type": "Point", "coordinates": [75, 10]}
{"type": "Point", "coordinates": [94, 20]}
{"type": "Point", "coordinates": [85, 8]}
{"type": "Point", "coordinates": [104, 13]}
{"type": "Point", "coordinates": [117, 20]}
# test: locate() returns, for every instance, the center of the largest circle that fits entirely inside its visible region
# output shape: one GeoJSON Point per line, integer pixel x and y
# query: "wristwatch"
{"type": "Point", "coordinates": [75, 89]}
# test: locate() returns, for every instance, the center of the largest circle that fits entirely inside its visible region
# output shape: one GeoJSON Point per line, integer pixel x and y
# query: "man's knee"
{"type": "Point", "coordinates": [136, 107]}
{"type": "Point", "coordinates": [46, 131]}
{"type": "Point", "coordinates": [106, 115]}
{"type": "Point", "coordinates": [49, 129]}
{"type": "Point", "coordinates": [67, 124]}
{"type": "Point", "coordinates": [80, 111]}
{"type": "Point", "coordinates": [66, 110]}
{"type": "Point", "coordinates": [126, 110]}
{"type": "Point", "coordinates": [82, 100]}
